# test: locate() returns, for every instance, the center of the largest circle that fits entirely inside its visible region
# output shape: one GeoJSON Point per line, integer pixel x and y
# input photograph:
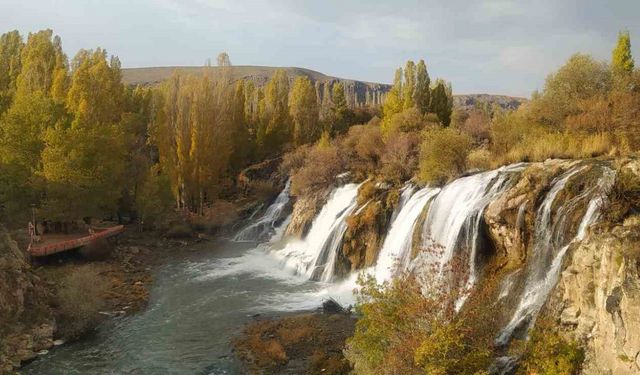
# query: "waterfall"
{"type": "Point", "coordinates": [265, 226]}
{"type": "Point", "coordinates": [316, 254]}
{"type": "Point", "coordinates": [455, 216]}
{"type": "Point", "coordinates": [396, 249]}
{"type": "Point", "coordinates": [550, 245]}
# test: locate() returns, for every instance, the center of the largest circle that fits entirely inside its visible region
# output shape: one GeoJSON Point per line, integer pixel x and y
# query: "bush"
{"type": "Point", "coordinates": [443, 155]}
{"type": "Point", "coordinates": [406, 121]}
{"type": "Point", "coordinates": [480, 159]}
{"type": "Point", "coordinates": [548, 353]}
{"type": "Point", "coordinates": [400, 158]}
{"type": "Point", "coordinates": [410, 326]}
{"type": "Point", "coordinates": [321, 167]}
{"type": "Point", "coordinates": [362, 149]}
{"type": "Point", "coordinates": [179, 230]}
{"type": "Point", "coordinates": [79, 301]}
{"type": "Point", "coordinates": [477, 125]}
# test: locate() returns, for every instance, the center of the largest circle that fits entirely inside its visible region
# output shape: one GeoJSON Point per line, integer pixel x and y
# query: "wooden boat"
{"type": "Point", "coordinates": [55, 244]}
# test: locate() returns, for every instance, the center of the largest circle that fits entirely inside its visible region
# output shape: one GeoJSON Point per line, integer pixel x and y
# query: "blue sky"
{"type": "Point", "coordinates": [492, 46]}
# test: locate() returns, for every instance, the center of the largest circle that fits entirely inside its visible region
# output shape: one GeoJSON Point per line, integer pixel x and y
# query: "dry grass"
{"type": "Point", "coordinates": [79, 300]}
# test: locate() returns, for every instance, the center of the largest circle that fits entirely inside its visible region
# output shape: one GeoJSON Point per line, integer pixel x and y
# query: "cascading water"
{"type": "Point", "coordinates": [316, 254]}
{"type": "Point", "coordinates": [265, 227]}
{"type": "Point", "coordinates": [396, 249]}
{"type": "Point", "coordinates": [550, 245]}
{"type": "Point", "coordinates": [454, 217]}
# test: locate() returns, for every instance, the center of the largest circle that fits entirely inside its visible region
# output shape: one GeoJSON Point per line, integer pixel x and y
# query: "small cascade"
{"type": "Point", "coordinates": [265, 227]}
{"type": "Point", "coordinates": [551, 244]}
{"type": "Point", "coordinates": [396, 249]}
{"type": "Point", "coordinates": [454, 218]}
{"type": "Point", "coordinates": [315, 255]}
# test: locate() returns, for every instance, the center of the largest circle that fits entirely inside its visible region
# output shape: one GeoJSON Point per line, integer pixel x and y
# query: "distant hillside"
{"type": "Point", "coordinates": [357, 91]}
{"type": "Point", "coordinates": [469, 101]}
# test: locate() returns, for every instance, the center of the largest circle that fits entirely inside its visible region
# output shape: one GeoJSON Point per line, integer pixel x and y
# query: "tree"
{"type": "Point", "coordinates": [303, 108]}
{"type": "Point", "coordinates": [43, 66]}
{"type": "Point", "coordinates": [393, 103]}
{"type": "Point", "coordinates": [340, 109]}
{"type": "Point", "coordinates": [409, 85]}
{"type": "Point", "coordinates": [10, 65]}
{"type": "Point", "coordinates": [443, 155]}
{"type": "Point", "coordinates": [621, 59]}
{"type": "Point", "coordinates": [223, 59]}
{"type": "Point", "coordinates": [83, 161]}
{"type": "Point", "coordinates": [441, 102]}
{"type": "Point", "coordinates": [580, 78]}
{"type": "Point", "coordinates": [422, 92]}
{"type": "Point", "coordinates": [275, 120]}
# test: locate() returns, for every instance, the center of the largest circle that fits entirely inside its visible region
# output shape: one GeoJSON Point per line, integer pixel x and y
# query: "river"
{"type": "Point", "coordinates": [199, 300]}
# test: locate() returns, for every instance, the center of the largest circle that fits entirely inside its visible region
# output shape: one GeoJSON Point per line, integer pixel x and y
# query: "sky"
{"type": "Point", "coordinates": [481, 46]}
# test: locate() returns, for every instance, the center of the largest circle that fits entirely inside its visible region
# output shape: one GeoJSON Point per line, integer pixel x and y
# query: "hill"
{"type": "Point", "coordinates": [260, 75]}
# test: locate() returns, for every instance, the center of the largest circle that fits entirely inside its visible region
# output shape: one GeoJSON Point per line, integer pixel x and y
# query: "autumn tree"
{"type": "Point", "coordinates": [275, 127]}
{"type": "Point", "coordinates": [303, 108]}
{"type": "Point", "coordinates": [340, 109]}
{"type": "Point", "coordinates": [409, 85]}
{"type": "Point", "coordinates": [10, 65]}
{"type": "Point", "coordinates": [422, 91]}
{"type": "Point", "coordinates": [621, 59]}
{"type": "Point", "coordinates": [83, 162]}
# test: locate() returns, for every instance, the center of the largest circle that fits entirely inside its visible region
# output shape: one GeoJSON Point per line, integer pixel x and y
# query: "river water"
{"type": "Point", "coordinates": [199, 300]}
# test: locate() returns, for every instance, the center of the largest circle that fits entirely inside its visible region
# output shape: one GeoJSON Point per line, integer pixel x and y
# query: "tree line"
{"type": "Point", "coordinates": [75, 142]}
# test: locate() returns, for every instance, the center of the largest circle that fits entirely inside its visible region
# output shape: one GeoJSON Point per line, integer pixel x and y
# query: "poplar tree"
{"type": "Point", "coordinates": [409, 85]}
{"type": "Point", "coordinates": [422, 92]}
{"type": "Point", "coordinates": [393, 102]}
{"type": "Point", "coordinates": [442, 102]}
{"type": "Point", "coordinates": [10, 64]}
{"type": "Point", "coordinates": [621, 59]}
{"type": "Point", "coordinates": [340, 109]}
{"type": "Point", "coordinates": [303, 106]}
{"type": "Point", "coordinates": [275, 119]}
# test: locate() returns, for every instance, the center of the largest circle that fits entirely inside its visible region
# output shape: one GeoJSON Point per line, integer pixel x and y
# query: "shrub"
{"type": "Point", "coordinates": [410, 326]}
{"type": "Point", "coordinates": [406, 121]}
{"type": "Point", "coordinates": [548, 353]}
{"type": "Point", "coordinates": [179, 229]}
{"type": "Point", "coordinates": [362, 149]}
{"type": "Point", "coordinates": [79, 300]}
{"type": "Point", "coordinates": [477, 125]}
{"type": "Point", "coordinates": [294, 160]}
{"type": "Point", "coordinates": [480, 158]}
{"type": "Point", "coordinates": [321, 167]}
{"type": "Point", "coordinates": [400, 158]}
{"type": "Point", "coordinates": [443, 155]}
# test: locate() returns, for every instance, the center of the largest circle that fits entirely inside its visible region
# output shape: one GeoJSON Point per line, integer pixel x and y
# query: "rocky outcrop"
{"type": "Point", "coordinates": [26, 321]}
{"type": "Point", "coordinates": [305, 210]}
{"type": "Point", "coordinates": [598, 299]}
{"type": "Point", "coordinates": [366, 227]}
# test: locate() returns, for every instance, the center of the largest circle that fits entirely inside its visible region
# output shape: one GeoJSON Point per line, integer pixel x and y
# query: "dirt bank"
{"type": "Point", "coordinates": [301, 343]}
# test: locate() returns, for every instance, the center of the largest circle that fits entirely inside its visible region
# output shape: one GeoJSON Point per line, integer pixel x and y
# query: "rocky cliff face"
{"type": "Point", "coordinates": [305, 210]}
{"type": "Point", "coordinates": [26, 322]}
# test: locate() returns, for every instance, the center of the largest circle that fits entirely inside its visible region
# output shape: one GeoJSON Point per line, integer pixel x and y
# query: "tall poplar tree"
{"type": "Point", "coordinates": [275, 119]}
{"type": "Point", "coordinates": [303, 106]}
{"type": "Point", "coordinates": [422, 92]}
{"type": "Point", "coordinates": [10, 65]}
{"type": "Point", "coordinates": [621, 59]}
{"type": "Point", "coordinates": [409, 85]}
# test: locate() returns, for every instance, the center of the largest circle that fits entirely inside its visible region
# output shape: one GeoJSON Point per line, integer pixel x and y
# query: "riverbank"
{"type": "Point", "coordinates": [65, 298]}
{"type": "Point", "coordinates": [297, 343]}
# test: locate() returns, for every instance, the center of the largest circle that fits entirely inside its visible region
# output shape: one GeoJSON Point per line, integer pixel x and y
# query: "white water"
{"type": "Point", "coordinates": [265, 226]}
{"type": "Point", "coordinates": [396, 250]}
{"type": "Point", "coordinates": [315, 255]}
{"type": "Point", "coordinates": [454, 217]}
{"type": "Point", "coordinates": [550, 246]}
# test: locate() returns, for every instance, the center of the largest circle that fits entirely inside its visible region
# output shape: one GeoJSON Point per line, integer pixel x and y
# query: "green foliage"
{"type": "Point", "coordinates": [442, 102]}
{"type": "Point", "coordinates": [443, 155]}
{"type": "Point", "coordinates": [10, 65]}
{"type": "Point", "coordinates": [410, 326]}
{"type": "Point", "coordinates": [621, 59]}
{"type": "Point", "coordinates": [303, 106]}
{"type": "Point", "coordinates": [422, 93]}
{"type": "Point", "coordinates": [339, 110]}
{"type": "Point", "coordinates": [580, 78]}
{"type": "Point", "coordinates": [275, 121]}
{"type": "Point", "coordinates": [409, 85]}
{"type": "Point", "coordinates": [548, 353]}
{"type": "Point", "coordinates": [154, 200]}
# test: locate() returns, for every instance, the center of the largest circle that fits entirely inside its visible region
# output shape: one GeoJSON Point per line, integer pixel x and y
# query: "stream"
{"type": "Point", "coordinates": [198, 303]}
